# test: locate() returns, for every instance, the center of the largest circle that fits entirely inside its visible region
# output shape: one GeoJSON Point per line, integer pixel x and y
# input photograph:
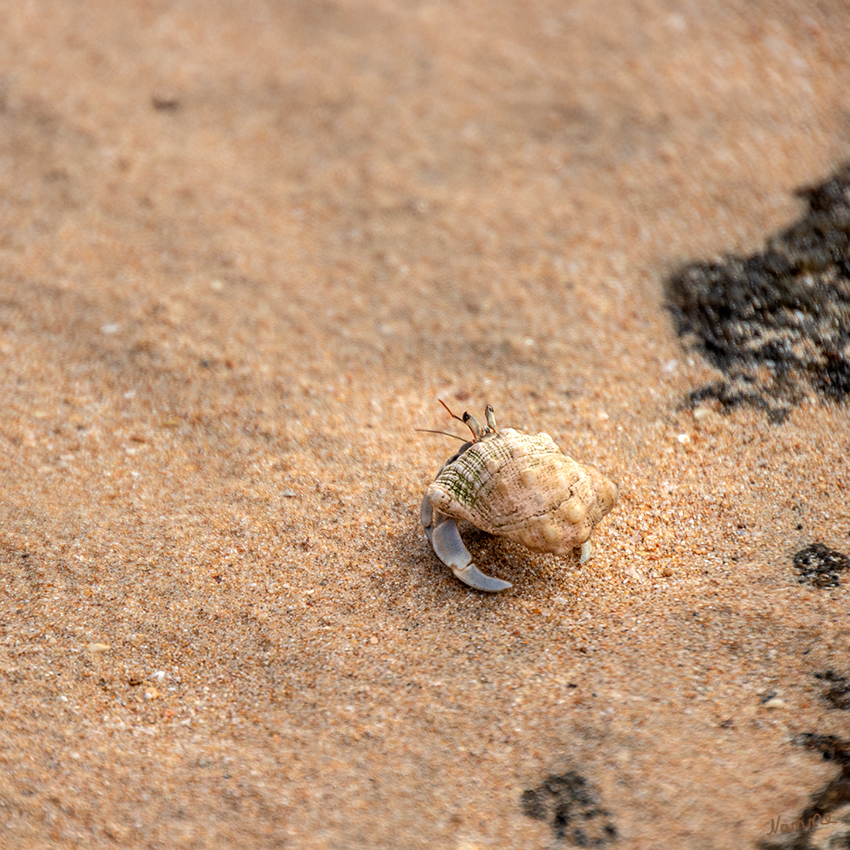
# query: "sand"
{"type": "Point", "coordinates": [244, 247]}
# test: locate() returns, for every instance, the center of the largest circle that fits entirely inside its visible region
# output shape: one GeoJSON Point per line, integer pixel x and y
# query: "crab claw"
{"type": "Point", "coordinates": [586, 552]}
{"type": "Point", "coordinates": [442, 533]}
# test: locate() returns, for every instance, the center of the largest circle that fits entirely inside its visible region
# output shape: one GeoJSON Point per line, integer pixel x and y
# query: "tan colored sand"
{"type": "Point", "coordinates": [243, 249]}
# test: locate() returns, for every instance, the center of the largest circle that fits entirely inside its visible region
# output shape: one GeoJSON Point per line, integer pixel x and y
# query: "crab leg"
{"type": "Point", "coordinates": [442, 533]}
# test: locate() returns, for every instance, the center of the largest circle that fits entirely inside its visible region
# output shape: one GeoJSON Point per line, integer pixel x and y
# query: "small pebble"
{"type": "Point", "coordinates": [98, 648]}
{"type": "Point", "coordinates": [165, 101]}
{"type": "Point", "coordinates": [776, 702]}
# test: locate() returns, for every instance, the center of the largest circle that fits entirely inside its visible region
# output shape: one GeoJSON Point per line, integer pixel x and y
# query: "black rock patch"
{"type": "Point", "coordinates": [831, 747]}
{"type": "Point", "coordinates": [571, 806]}
{"type": "Point", "coordinates": [837, 694]}
{"type": "Point", "coordinates": [777, 324]}
{"type": "Point", "coordinates": [825, 822]}
{"type": "Point", "coordinates": [819, 565]}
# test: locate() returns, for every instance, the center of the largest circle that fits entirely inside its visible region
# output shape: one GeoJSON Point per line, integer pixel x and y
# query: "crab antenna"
{"type": "Point", "coordinates": [491, 417]}
{"type": "Point", "coordinates": [467, 418]}
{"type": "Point", "coordinates": [444, 433]}
{"type": "Point", "coordinates": [453, 415]}
{"type": "Point", "coordinates": [472, 423]}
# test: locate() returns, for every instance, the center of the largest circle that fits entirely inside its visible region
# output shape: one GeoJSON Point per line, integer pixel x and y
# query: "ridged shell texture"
{"type": "Point", "coordinates": [524, 488]}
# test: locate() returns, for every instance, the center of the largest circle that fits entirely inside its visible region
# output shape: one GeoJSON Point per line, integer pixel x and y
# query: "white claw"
{"type": "Point", "coordinates": [586, 552]}
{"type": "Point", "coordinates": [445, 539]}
{"type": "Point", "coordinates": [472, 576]}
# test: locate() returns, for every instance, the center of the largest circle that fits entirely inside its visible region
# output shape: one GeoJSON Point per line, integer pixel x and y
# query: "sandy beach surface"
{"type": "Point", "coordinates": [244, 248]}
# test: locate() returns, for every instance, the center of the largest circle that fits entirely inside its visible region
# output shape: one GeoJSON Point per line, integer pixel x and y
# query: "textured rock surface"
{"type": "Point", "coordinates": [777, 323]}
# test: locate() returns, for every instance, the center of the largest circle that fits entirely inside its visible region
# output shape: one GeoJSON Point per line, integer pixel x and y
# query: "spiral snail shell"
{"type": "Point", "coordinates": [514, 485]}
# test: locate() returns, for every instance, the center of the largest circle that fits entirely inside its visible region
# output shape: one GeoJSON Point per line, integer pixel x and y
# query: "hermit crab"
{"type": "Point", "coordinates": [517, 486]}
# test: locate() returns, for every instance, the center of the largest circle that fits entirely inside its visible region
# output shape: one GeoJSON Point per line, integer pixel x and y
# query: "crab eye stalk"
{"type": "Point", "coordinates": [491, 418]}
{"type": "Point", "coordinates": [472, 423]}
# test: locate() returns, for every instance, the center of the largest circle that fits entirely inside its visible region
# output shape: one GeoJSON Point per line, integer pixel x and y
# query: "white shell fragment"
{"type": "Point", "coordinates": [517, 486]}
